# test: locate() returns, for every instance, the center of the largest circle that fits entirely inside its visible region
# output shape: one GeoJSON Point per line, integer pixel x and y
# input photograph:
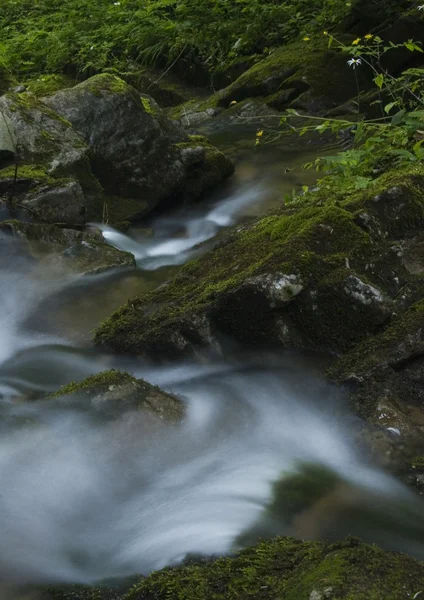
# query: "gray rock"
{"type": "Point", "coordinates": [116, 392]}
{"type": "Point", "coordinates": [83, 252]}
{"type": "Point", "coordinates": [42, 136]}
{"type": "Point", "coordinates": [61, 203]}
{"type": "Point", "coordinates": [136, 152]}
{"type": "Point", "coordinates": [7, 138]}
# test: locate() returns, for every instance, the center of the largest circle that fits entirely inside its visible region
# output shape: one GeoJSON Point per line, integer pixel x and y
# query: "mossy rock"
{"type": "Point", "coordinates": [290, 569]}
{"type": "Point", "coordinates": [78, 251]}
{"type": "Point", "coordinates": [136, 152]}
{"type": "Point", "coordinates": [320, 276]}
{"type": "Point", "coordinates": [292, 70]}
{"type": "Point", "coordinates": [118, 391]}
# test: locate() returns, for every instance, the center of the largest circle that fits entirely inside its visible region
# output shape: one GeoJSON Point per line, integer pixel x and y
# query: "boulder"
{"type": "Point", "coordinates": [136, 152]}
{"type": "Point", "coordinates": [323, 276]}
{"type": "Point", "coordinates": [53, 178]}
{"type": "Point", "coordinates": [294, 75]}
{"type": "Point", "coordinates": [80, 251]}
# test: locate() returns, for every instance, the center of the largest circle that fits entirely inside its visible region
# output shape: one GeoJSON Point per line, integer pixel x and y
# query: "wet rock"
{"type": "Point", "coordinates": [136, 152]}
{"type": "Point", "coordinates": [312, 278]}
{"type": "Point", "coordinates": [116, 392]}
{"type": "Point", "coordinates": [79, 251]}
{"type": "Point", "coordinates": [53, 178]}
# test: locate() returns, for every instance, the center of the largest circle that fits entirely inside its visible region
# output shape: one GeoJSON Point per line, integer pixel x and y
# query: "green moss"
{"type": "Point", "coordinates": [79, 592]}
{"type": "Point", "coordinates": [295, 243]}
{"type": "Point", "coordinates": [291, 570]}
{"type": "Point", "coordinates": [27, 104]}
{"type": "Point", "coordinates": [418, 462]}
{"type": "Point", "coordinates": [94, 382]}
{"type": "Point", "coordinates": [36, 172]}
{"type": "Point", "coordinates": [105, 82]}
{"type": "Point", "coordinates": [45, 85]}
{"type": "Point", "coordinates": [293, 65]}
{"type": "Point", "coordinates": [147, 105]}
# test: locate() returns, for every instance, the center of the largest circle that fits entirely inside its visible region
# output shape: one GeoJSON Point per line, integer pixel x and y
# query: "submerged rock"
{"type": "Point", "coordinates": [84, 252]}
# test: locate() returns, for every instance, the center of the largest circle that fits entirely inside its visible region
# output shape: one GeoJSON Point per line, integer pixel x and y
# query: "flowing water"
{"type": "Point", "coordinates": [87, 496]}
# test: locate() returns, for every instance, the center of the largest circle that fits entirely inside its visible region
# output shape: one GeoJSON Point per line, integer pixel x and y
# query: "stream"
{"type": "Point", "coordinates": [85, 498]}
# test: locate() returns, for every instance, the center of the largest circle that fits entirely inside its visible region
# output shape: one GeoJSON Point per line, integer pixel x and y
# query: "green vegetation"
{"type": "Point", "coordinates": [75, 37]}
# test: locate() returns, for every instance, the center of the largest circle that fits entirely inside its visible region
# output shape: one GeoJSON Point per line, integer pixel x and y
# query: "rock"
{"type": "Point", "coordinates": [290, 72]}
{"type": "Point", "coordinates": [116, 392]}
{"type": "Point", "coordinates": [8, 140]}
{"type": "Point", "coordinates": [290, 569]}
{"type": "Point", "coordinates": [324, 276]}
{"type": "Point", "coordinates": [43, 137]}
{"type": "Point", "coordinates": [136, 152]}
{"type": "Point", "coordinates": [54, 178]}
{"type": "Point", "coordinates": [84, 252]}
{"type": "Point", "coordinates": [385, 376]}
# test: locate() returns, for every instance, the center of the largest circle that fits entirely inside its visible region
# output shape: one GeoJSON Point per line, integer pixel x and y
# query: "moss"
{"type": "Point", "coordinates": [147, 105]}
{"type": "Point", "coordinates": [27, 103]}
{"type": "Point", "coordinates": [293, 65]}
{"type": "Point", "coordinates": [105, 82]}
{"type": "Point", "coordinates": [45, 85]}
{"type": "Point", "coordinates": [36, 172]}
{"type": "Point", "coordinates": [418, 462]}
{"type": "Point", "coordinates": [97, 382]}
{"type": "Point", "coordinates": [79, 592]}
{"type": "Point", "coordinates": [322, 241]}
{"type": "Point", "coordinates": [288, 243]}
{"type": "Point", "coordinates": [291, 570]}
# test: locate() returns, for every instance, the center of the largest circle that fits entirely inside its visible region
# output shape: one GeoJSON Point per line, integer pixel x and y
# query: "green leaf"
{"type": "Point", "coordinates": [389, 107]}
{"type": "Point", "coordinates": [398, 117]}
{"type": "Point", "coordinates": [379, 80]}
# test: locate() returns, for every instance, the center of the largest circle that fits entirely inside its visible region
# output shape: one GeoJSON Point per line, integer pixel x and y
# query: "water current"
{"type": "Point", "coordinates": [86, 497]}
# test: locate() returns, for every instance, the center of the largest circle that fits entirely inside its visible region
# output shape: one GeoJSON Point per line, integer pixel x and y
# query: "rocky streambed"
{"type": "Point", "coordinates": [287, 343]}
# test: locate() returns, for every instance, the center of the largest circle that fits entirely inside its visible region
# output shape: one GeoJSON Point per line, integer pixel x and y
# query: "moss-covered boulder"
{"type": "Point", "coordinates": [282, 568]}
{"type": "Point", "coordinates": [136, 152]}
{"type": "Point", "coordinates": [324, 276]}
{"type": "Point", "coordinates": [78, 251]}
{"type": "Point", "coordinates": [53, 179]}
{"type": "Point", "coordinates": [116, 392]}
{"type": "Point", "coordinates": [295, 75]}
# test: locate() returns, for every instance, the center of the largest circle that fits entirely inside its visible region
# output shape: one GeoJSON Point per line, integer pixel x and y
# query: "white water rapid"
{"type": "Point", "coordinates": [86, 497]}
